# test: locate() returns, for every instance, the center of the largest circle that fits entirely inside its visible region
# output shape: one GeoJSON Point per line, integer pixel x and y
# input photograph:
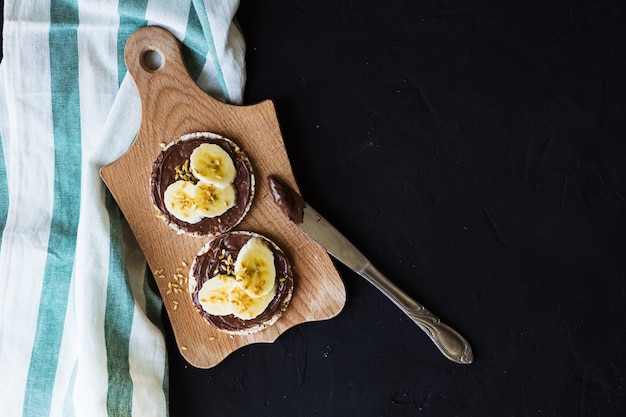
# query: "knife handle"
{"type": "Point", "coordinates": [451, 344]}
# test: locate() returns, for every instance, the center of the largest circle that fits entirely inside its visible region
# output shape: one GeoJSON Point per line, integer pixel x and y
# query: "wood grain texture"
{"type": "Point", "coordinates": [173, 105]}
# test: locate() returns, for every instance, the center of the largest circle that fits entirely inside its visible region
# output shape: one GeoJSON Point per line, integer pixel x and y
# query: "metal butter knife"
{"type": "Point", "coordinates": [451, 344]}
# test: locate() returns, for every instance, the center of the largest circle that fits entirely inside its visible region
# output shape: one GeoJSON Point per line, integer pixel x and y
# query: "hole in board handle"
{"type": "Point", "coordinates": [151, 60]}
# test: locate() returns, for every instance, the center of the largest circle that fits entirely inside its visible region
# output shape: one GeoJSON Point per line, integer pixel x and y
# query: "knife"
{"type": "Point", "coordinates": [451, 344]}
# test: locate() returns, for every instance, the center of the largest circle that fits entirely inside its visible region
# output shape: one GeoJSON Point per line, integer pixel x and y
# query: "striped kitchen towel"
{"type": "Point", "coordinates": [79, 318]}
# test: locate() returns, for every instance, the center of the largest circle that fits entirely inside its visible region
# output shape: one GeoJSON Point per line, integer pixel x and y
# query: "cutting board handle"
{"type": "Point", "coordinates": [148, 43]}
{"type": "Point", "coordinates": [154, 58]}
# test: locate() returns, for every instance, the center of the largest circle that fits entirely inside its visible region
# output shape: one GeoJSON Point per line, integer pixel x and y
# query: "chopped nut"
{"type": "Point", "coordinates": [182, 172]}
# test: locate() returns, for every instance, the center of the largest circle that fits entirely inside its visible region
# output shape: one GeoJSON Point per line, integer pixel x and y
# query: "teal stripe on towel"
{"type": "Point", "coordinates": [65, 211]}
{"type": "Point", "coordinates": [68, 404]}
{"type": "Point", "coordinates": [4, 192]}
{"type": "Point", "coordinates": [194, 45]}
{"type": "Point", "coordinates": [132, 17]}
{"type": "Point", "coordinates": [118, 320]}
{"type": "Point", "coordinates": [206, 28]}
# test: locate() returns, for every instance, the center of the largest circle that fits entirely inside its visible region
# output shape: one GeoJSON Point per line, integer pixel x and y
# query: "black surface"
{"type": "Point", "coordinates": [476, 151]}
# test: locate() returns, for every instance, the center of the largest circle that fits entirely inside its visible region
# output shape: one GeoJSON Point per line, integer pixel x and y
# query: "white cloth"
{"type": "Point", "coordinates": [79, 319]}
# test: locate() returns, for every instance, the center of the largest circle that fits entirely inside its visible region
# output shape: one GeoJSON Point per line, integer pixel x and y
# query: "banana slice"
{"type": "Point", "coordinates": [214, 295]}
{"type": "Point", "coordinates": [212, 201]}
{"type": "Point", "coordinates": [213, 165]}
{"type": "Point", "coordinates": [179, 200]}
{"type": "Point", "coordinates": [246, 307]}
{"type": "Point", "coordinates": [221, 296]}
{"type": "Point", "coordinates": [254, 268]}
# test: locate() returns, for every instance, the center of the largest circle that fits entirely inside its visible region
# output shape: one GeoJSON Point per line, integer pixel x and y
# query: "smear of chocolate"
{"type": "Point", "coordinates": [290, 202]}
{"type": "Point", "coordinates": [207, 265]}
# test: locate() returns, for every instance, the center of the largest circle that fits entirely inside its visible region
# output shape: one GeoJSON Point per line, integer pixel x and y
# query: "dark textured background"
{"type": "Point", "coordinates": [476, 152]}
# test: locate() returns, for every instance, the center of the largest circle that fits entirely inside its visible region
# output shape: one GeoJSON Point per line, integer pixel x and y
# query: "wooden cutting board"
{"type": "Point", "coordinates": [173, 105]}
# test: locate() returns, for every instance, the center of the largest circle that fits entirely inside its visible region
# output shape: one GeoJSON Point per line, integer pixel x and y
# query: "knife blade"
{"type": "Point", "coordinates": [449, 342]}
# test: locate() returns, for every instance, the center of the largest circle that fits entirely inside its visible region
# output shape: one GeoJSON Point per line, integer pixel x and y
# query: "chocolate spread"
{"type": "Point", "coordinates": [290, 202]}
{"type": "Point", "coordinates": [208, 264]}
{"type": "Point", "coordinates": [164, 174]}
